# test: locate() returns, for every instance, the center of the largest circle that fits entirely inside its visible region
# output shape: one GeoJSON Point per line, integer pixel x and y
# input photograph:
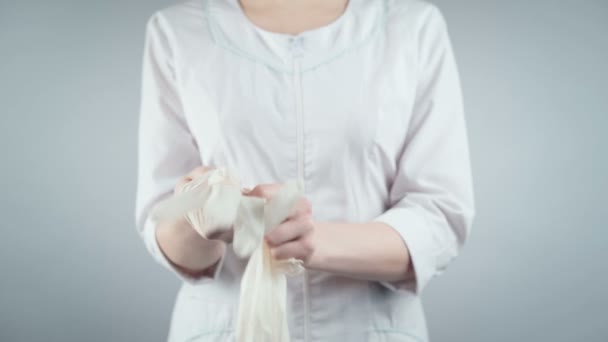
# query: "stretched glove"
{"type": "Point", "coordinates": [213, 204]}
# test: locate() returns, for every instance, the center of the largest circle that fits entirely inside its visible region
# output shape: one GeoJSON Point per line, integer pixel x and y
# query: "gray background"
{"type": "Point", "coordinates": [534, 75]}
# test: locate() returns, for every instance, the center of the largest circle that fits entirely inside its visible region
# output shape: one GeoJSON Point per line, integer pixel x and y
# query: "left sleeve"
{"type": "Point", "coordinates": [167, 150]}
{"type": "Point", "coordinates": [431, 197]}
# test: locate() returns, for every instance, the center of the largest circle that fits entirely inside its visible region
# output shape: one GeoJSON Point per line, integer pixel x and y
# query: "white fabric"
{"type": "Point", "coordinates": [212, 203]}
{"type": "Point", "coordinates": [367, 111]}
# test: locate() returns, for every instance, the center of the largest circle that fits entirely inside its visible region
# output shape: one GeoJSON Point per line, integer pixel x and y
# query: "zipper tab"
{"type": "Point", "coordinates": [296, 46]}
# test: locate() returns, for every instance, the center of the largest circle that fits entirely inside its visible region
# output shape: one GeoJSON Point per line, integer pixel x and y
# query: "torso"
{"type": "Point", "coordinates": [333, 110]}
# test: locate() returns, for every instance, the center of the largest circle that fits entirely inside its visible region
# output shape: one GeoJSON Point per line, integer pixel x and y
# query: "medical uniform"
{"type": "Point", "coordinates": [367, 110]}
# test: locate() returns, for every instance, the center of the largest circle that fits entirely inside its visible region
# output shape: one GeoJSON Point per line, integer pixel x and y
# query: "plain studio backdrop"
{"type": "Point", "coordinates": [535, 78]}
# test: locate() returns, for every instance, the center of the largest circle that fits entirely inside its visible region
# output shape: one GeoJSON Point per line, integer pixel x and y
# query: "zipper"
{"type": "Point", "coordinates": [297, 79]}
{"type": "Point", "coordinates": [306, 307]}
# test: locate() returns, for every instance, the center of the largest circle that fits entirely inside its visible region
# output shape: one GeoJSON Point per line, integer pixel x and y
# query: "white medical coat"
{"type": "Point", "coordinates": [367, 110]}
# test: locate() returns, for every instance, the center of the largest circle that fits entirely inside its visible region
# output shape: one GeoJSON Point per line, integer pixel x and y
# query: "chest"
{"type": "Point", "coordinates": [241, 109]}
{"type": "Point", "coordinates": [353, 104]}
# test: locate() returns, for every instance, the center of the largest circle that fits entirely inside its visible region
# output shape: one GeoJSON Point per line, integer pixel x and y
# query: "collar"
{"type": "Point", "coordinates": [231, 29]}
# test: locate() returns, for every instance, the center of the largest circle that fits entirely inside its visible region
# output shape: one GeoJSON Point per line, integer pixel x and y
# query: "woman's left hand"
{"type": "Point", "coordinates": [294, 237]}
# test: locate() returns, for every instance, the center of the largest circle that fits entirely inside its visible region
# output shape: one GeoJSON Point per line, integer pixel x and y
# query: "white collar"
{"type": "Point", "coordinates": [233, 30]}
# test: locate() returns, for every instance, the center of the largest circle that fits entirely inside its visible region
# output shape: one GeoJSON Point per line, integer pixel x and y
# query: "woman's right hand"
{"type": "Point", "coordinates": [196, 172]}
{"type": "Point", "coordinates": [224, 234]}
{"type": "Point", "coordinates": [183, 246]}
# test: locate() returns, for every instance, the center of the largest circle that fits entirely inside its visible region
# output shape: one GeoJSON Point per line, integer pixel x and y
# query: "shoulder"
{"type": "Point", "coordinates": [414, 15]}
{"type": "Point", "coordinates": [412, 9]}
{"type": "Point", "coordinates": [186, 10]}
{"type": "Point", "coordinates": [418, 24]}
{"type": "Point", "coordinates": [181, 29]}
{"type": "Point", "coordinates": [178, 19]}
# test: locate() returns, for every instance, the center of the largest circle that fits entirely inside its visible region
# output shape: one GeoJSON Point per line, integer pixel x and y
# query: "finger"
{"type": "Point", "coordinates": [180, 184]}
{"type": "Point", "coordinates": [221, 234]}
{"type": "Point", "coordinates": [199, 171]}
{"type": "Point", "coordinates": [302, 208]}
{"type": "Point", "coordinates": [288, 231]}
{"type": "Point", "coordinates": [300, 249]}
{"type": "Point", "coordinates": [266, 191]}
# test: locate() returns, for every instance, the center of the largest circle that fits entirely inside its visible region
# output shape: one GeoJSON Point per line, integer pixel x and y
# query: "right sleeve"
{"type": "Point", "coordinates": [431, 196]}
{"type": "Point", "coordinates": [166, 148]}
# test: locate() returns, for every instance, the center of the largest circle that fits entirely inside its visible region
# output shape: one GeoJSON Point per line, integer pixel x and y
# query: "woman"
{"type": "Point", "coordinates": [361, 100]}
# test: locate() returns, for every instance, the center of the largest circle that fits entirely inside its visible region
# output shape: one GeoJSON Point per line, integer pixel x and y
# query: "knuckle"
{"type": "Point", "coordinates": [271, 239]}
{"type": "Point", "coordinates": [275, 237]}
{"type": "Point", "coordinates": [198, 171]}
{"type": "Point", "coordinates": [276, 253]}
{"type": "Point", "coordinates": [262, 190]}
{"type": "Point", "coordinates": [306, 206]}
{"type": "Point", "coordinates": [261, 187]}
{"type": "Point", "coordinates": [256, 191]}
{"type": "Point", "coordinates": [308, 246]}
{"type": "Point", "coordinates": [306, 223]}
{"type": "Point", "coordinates": [282, 253]}
{"type": "Point", "coordinates": [202, 169]}
{"type": "Point", "coordinates": [309, 221]}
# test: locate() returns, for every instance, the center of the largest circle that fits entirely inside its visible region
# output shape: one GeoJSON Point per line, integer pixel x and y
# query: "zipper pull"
{"type": "Point", "coordinates": [296, 46]}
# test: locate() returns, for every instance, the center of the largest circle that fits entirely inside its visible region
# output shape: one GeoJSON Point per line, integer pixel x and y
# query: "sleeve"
{"type": "Point", "coordinates": [166, 148]}
{"type": "Point", "coordinates": [431, 196]}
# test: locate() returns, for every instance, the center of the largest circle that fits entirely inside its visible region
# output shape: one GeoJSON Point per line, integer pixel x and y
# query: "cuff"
{"type": "Point", "coordinates": [415, 233]}
{"type": "Point", "coordinates": [149, 236]}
